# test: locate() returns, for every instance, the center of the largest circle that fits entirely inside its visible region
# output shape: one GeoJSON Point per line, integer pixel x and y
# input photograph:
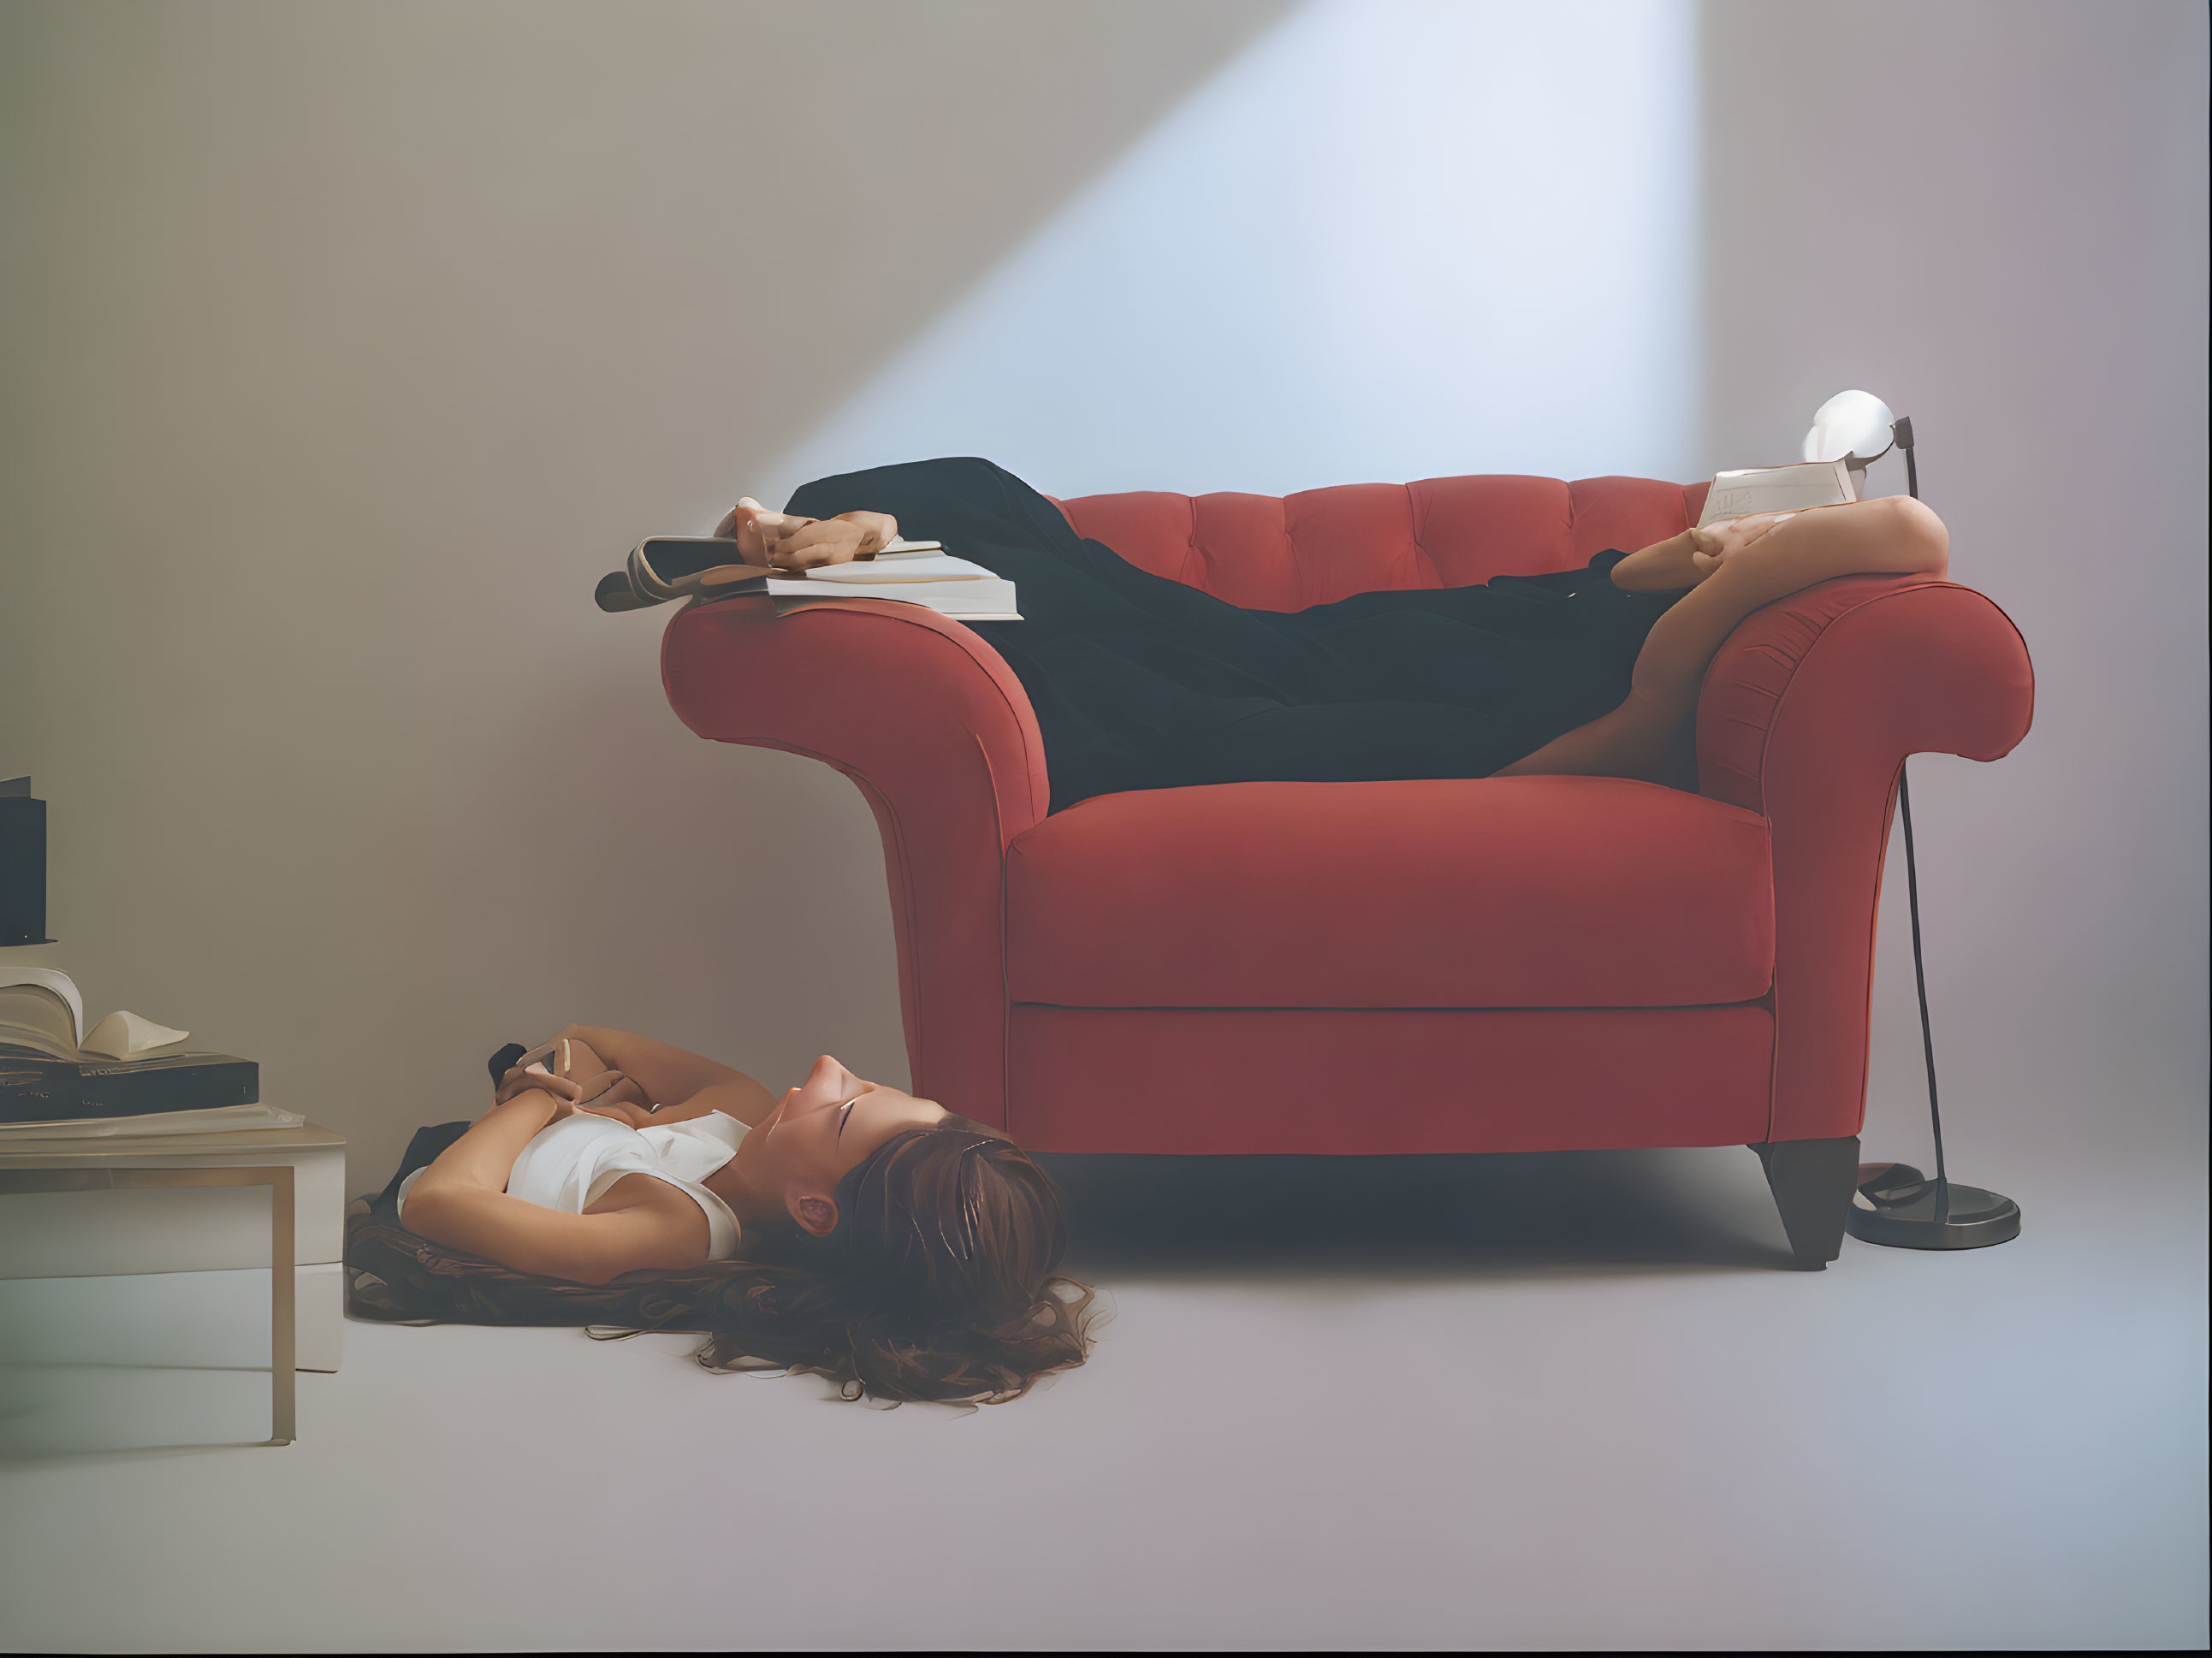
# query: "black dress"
{"type": "Point", "coordinates": [1142, 683]}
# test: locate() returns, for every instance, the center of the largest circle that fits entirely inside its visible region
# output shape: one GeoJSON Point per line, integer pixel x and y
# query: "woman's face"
{"type": "Point", "coordinates": [820, 1132]}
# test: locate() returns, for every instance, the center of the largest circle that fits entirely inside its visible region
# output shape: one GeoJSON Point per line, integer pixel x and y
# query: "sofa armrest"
{"type": "Point", "coordinates": [1806, 716]}
{"type": "Point", "coordinates": [940, 735]}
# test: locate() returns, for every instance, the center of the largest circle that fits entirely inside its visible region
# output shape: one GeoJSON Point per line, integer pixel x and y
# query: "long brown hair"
{"type": "Point", "coordinates": [939, 1281]}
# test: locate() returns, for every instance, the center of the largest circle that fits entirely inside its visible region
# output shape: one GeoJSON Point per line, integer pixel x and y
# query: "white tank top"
{"type": "Point", "coordinates": [570, 1165]}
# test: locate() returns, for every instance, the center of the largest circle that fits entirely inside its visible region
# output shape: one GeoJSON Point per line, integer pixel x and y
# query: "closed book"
{"type": "Point", "coordinates": [926, 574]}
{"type": "Point", "coordinates": [908, 572]}
{"type": "Point", "coordinates": [990, 599]}
{"type": "Point", "coordinates": [37, 1087]}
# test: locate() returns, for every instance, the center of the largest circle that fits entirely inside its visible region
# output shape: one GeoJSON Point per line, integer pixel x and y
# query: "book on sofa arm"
{"type": "Point", "coordinates": [910, 572]}
{"type": "Point", "coordinates": [48, 1073]}
{"type": "Point", "coordinates": [1778, 490]}
{"type": "Point", "coordinates": [951, 586]}
{"type": "Point", "coordinates": [917, 573]}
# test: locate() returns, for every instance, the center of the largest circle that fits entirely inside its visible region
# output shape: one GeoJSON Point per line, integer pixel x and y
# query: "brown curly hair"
{"type": "Point", "coordinates": [940, 1281]}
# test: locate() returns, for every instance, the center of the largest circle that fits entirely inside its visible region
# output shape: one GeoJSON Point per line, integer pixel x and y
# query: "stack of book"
{"type": "Point", "coordinates": [909, 572]}
{"type": "Point", "coordinates": [125, 1077]}
{"type": "Point", "coordinates": [82, 1270]}
{"type": "Point", "coordinates": [912, 572]}
{"type": "Point", "coordinates": [129, 1094]}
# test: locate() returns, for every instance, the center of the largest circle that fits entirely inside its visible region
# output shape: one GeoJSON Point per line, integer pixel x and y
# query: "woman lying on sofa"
{"type": "Point", "coordinates": [846, 1228]}
{"type": "Point", "coordinates": [1140, 682]}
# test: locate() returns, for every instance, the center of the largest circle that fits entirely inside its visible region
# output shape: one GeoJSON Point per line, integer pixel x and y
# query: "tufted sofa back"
{"type": "Point", "coordinates": [1320, 545]}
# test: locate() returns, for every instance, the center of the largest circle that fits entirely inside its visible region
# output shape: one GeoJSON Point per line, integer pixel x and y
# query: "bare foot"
{"type": "Point", "coordinates": [756, 529]}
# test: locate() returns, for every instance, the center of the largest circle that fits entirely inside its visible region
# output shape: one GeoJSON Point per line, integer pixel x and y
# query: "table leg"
{"type": "Point", "coordinates": [284, 1306]}
{"type": "Point", "coordinates": [283, 1313]}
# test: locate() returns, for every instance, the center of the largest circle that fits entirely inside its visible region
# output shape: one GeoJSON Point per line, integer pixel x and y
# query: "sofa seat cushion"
{"type": "Point", "coordinates": [1505, 892]}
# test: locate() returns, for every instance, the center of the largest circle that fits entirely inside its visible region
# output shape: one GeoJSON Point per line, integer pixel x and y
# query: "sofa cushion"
{"type": "Point", "coordinates": [1483, 892]}
{"type": "Point", "coordinates": [1322, 545]}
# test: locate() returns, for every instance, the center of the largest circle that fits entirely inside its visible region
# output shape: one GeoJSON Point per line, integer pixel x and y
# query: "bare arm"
{"type": "Point", "coordinates": [1659, 568]}
{"type": "Point", "coordinates": [682, 1085]}
{"type": "Point", "coordinates": [1650, 735]}
{"type": "Point", "coordinates": [1672, 564]}
{"type": "Point", "coordinates": [656, 1227]}
{"type": "Point", "coordinates": [481, 1159]}
{"type": "Point", "coordinates": [1893, 534]}
{"type": "Point", "coordinates": [461, 1201]}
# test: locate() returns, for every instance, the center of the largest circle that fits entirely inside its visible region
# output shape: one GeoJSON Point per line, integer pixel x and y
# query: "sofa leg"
{"type": "Point", "coordinates": [1812, 1181]}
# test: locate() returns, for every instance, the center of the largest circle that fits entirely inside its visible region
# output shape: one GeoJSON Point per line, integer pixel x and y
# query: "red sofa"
{"type": "Point", "coordinates": [1487, 964]}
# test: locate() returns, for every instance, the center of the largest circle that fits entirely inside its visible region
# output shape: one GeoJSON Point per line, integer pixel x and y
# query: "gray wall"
{"type": "Point", "coordinates": [344, 347]}
{"type": "Point", "coordinates": [1993, 216]}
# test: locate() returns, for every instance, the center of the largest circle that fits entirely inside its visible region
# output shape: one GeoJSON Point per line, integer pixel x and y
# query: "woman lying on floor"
{"type": "Point", "coordinates": [846, 1228]}
{"type": "Point", "coordinates": [1140, 682]}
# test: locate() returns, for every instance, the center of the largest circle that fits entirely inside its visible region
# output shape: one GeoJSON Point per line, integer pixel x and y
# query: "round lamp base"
{"type": "Point", "coordinates": [1895, 1205]}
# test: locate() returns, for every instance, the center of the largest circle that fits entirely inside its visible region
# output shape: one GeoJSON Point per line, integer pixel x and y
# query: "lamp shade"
{"type": "Point", "coordinates": [1853, 426]}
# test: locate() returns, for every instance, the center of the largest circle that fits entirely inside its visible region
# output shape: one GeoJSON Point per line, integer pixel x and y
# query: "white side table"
{"type": "Point", "coordinates": [270, 1157]}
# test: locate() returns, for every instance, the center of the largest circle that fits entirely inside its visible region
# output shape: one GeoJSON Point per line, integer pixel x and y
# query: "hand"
{"type": "Point", "coordinates": [625, 1111]}
{"type": "Point", "coordinates": [782, 542]}
{"type": "Point", "coordinates": [583, 1061]}
{"type": "Point", "coordinates": [837, 540]}
{"type": "Point", "coordinates": [518, 1082]}
{"type": "Point", "coordinates": [608, 1093]}
{"type": "Point", "coordinates": [614, 1094]}
{"type": "Point", "coordinates": [1727, 539]}
{"type": "Point", "coordinates": [755, 529]}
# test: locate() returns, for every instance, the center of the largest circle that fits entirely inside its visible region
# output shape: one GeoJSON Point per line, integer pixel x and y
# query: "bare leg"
{"type": "Point", "coordinates": [1651, 735]}
{"type": "Point", "coordinates": [1648, 737]}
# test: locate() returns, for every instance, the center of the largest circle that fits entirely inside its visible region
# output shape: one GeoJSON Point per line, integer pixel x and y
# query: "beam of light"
{"type": "Point", "coordinates": [1394, 239]}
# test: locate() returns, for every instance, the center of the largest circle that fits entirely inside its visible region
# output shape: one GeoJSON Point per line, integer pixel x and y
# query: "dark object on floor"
{"type": "Point", "coordinates": [503, 1061]}
{"type": "Point", "coordinates": [1895, 1205]}
{"type": "Point", "coordinates": [1812, 1183]}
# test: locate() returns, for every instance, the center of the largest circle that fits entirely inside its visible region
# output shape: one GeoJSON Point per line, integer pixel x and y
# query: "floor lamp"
{"type": "Point", "coordinates": [1895, 1204]}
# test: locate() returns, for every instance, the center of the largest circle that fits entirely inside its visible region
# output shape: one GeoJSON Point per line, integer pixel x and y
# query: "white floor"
{"type": "Point", "coordinates": [1549, 1402]}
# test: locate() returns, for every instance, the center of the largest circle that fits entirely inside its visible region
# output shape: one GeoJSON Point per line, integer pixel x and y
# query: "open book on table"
{"type": "Point", "coordinates": [53, 1069]}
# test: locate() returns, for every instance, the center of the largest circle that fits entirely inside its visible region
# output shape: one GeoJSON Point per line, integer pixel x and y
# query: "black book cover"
{"type": "Point", "coordinates": [37, 1087]}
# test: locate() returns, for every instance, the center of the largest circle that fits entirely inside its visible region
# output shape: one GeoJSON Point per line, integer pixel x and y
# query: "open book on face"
{"type": "Point", "coordinates": [704, 568]}
{"type": "Point", "coordinates": [1778, 490]}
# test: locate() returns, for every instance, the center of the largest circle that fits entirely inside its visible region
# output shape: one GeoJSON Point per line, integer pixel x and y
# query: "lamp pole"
{"type": "Point", "coordinates": [1896, 1205]}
